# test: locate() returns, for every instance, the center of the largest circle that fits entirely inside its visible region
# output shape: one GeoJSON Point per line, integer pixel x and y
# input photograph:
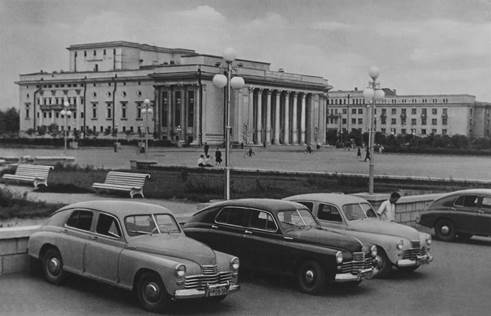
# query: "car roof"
{"type": "Point", "coordinates": [120, 208]}
{"type": "Point", "coordinates": [335, 198]}
{"type": "Point", "coordinates": [271, 205]}
{"type": "Point", "coordinates": [467, 191]}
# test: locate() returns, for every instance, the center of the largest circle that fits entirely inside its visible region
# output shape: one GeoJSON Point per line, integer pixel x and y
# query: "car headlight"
{"type": "Point", "coordinates": [428, 241]}
{"type": "Point", "coordinates": [373, 251]}
{"type": "Point", "coordinates": [234, 263]}
{"type": "Point", "coordinates": [180, 270]}
{"type": "Point", "coordinates": [400, 244]}
{"type": "Point", "coordinates": [339, 257]}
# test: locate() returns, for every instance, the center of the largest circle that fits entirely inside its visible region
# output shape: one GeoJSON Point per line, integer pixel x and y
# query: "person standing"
{"type": "Point", "coordinates": [387, 210]}
{"type": "Point", "coordinates": [218, 157]}
{"type": "Point", "coordinates": [206, 149]}
{"type": "Point", "coordinates": [358, 153]}
{"type": "Point", "coordinates": [367, 155]}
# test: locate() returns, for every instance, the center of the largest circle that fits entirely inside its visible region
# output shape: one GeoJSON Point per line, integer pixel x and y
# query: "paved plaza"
{"type": "Point", "coordinates": [291, 158]}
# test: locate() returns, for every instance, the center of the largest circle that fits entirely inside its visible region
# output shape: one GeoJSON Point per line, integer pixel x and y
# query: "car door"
{"type": "Point", "coordinates": [264, 242]}
{"type": "Point", "coordinates": [227, 234]}
{"type": "Point", "coordinates": [104, 248]}
{"type": "Point", "coordinates": [466, 216]}
{"type": "Point", "coordinates": [72, 243]}
{"type": "Point", "coordinates": [484, 216]}
{"type": "Point", "coordinates": [330, 216]}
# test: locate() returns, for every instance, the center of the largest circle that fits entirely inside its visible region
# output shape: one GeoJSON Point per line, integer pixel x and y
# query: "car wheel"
{"type": "Point", "coordinates": [384, 265]}
{"type": "Point", "coordinates": [53, 266]}
{"type": "Point", "coordinates": [311, 277]}
{"type": "Point", "coordinates": [445, 230]}
{"type": "Point", "coordinates": [408, 269]}
{"type": "Point", "coordinates": [152, 293]}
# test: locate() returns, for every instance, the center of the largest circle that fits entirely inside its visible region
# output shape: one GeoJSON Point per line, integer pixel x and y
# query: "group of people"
{"type": "Point", "coordinates": [204, 159]}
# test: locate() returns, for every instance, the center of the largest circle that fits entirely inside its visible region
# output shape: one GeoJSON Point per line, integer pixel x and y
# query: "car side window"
{"type": "Point", "coordinates": [467, 201]}
{"type": "Point", "coordinates": [262, 220]}
{"type": "Point", "coordinates": [309, 205]}
{"type": "Point", "coordinates": [80, 220]}
{"type": "Point", "coordinates": [486, 202]}
{"type": "Point", "coordinates": [329, 213]}
{"type": "Point", "coordinates": [233, 216]}
{"type": "Point", "coordinates": [108, 225]}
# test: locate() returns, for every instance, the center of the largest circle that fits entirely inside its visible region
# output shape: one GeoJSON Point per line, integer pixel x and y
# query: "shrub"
{"type": "Point", "coordinates": [17, 205]}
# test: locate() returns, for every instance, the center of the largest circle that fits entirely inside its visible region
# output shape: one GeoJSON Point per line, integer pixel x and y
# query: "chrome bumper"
{"type": "Point", "coordinates": [195, 293]}
{"type": "Point", "coordinates": [350, 277]}
{"type": "Point", "coordinates": [420, 259]}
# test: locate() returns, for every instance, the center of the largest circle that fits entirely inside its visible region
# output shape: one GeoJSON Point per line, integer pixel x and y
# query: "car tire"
{"type": "Point", "coordinates": [445, 230]}
{"type": "Point", "coordinates": [152, 293]}
{"type": "Point", "coordinates": [311, 277]}
{"type": "Point", "coordinates": [385, 266]}
{"type": "Point", "coordinates": [52, 265]}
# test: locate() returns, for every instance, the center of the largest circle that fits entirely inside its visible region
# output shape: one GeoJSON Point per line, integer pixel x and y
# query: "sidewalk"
{"type": "Point", "coordinates": [180, 208]}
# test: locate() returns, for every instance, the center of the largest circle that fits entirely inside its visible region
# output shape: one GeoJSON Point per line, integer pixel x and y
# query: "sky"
{"type": "Point", "coordinates": [420, 46]}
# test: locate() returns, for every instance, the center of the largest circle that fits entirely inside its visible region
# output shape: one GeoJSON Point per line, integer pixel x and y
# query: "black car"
{"type": "Point", "coordinates": [459, 214]}
{"type": "Point", "coordinates": [283, 237]}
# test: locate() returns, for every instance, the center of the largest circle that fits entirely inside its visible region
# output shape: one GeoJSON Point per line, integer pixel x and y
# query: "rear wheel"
{"type": "Point", "coordinates": [445, 230]}
{"type": "Point", "coordinates": [53, 266]}
{"type": "Point", "coordinates": [311, 277]}
{"type": "Point", "coordinates": [151, 292]}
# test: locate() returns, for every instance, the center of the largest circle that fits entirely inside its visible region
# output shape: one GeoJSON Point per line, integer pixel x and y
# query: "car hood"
{"type": "Point", "coordinates": [376, 226]}
{"type": "Point", "coordinates": [327, 238]}
{"type": "Point", "coordinates": [175, 245]}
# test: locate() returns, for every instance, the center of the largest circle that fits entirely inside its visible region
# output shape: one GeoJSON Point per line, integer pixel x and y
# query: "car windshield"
{"type": "Point", "coordinates": [296, 219]}
{"type": "Point", "coordinates": [151, 224]}
{"type": "Point", "coordinates": [356, 211]}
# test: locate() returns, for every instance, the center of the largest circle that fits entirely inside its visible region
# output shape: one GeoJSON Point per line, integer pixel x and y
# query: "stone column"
{"type": "Point", "coordinates": [259, 122]}
{"type": "Point", "coordinates": [294, 119]}
{"type": "Point", "coordinates": [302, 119]}
{"type": "Point", "coordinates": [277, 119]}
{"type": "Point", "coordinates": [286, 137]}
{"type": "Point", "coordinates": [196, 129]}
{"type": "Point", "coordinates": [268, 118]}
{"type": "Point", "coordinates": [250, 116]}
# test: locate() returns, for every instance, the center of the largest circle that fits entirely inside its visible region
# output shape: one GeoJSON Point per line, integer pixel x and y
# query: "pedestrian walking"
{"type": "Point", "coordinates": [387, 210]}
{"type": "Point", "coordinates": [218, 157]}
{"type": "Point", "coordinates": [206, 149]}
{"type": "Point", "coordinates": [358, 153]}
{"type": "Point", "coordinates": [308, 149]}
{"type": "Point", "coordinates": [367, 154]}
{"type": "Point", "coordinates": [250, 152]}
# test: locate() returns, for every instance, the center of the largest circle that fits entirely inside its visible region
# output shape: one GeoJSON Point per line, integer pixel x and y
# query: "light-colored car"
{"type": "Point", "coordinates": [398, 245]}
{"type": "Point", "coordinates": [135, 246]}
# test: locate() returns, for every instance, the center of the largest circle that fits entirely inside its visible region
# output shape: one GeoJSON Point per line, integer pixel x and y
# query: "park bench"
{"type": "Point", "coordinates": [37, 174]}
{"type": "Point", "coordinates": [123, 181]}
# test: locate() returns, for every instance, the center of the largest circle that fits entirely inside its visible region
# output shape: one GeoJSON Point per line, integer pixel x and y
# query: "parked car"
{"type": "Point", "coordinates": [282, 237]}
{"type": "Point", "coordinates": [459, 214]}
{"type": "Point", "coordinates": [398, 245]}
{"type": "Point", "coordinates": [136, 246]}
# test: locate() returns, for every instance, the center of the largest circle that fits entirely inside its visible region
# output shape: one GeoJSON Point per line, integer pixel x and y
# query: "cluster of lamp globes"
{"type": "Point", "coordinates": [220, 80]}
{"type": "Point", "coordinates": [371, 93]}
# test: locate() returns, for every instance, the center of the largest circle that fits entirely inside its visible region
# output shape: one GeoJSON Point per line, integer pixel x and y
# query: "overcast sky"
{"type": "Point", "coordinates": [420, 46]}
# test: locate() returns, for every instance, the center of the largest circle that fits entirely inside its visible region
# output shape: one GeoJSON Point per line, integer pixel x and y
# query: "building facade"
{"type": "Point", "coordinates": [107, 83]}
{"type": "Point", "coordinates": [420, 115]}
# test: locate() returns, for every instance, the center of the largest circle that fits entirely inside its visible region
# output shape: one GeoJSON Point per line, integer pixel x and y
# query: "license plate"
{"type": "Point", "coordinates": [217, 290]}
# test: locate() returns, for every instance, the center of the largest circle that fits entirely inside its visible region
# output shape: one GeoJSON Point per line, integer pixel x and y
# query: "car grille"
{"type": "Point", "coordinates": [359, 262]}
{"type": "Point", "coordinates": [411, 254]}
{"type": "Point", "coordinates": [209, 275]}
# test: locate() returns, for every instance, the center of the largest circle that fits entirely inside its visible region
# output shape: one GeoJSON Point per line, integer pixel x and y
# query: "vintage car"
{"type": "Point", "coordinates": [136, 246]}
{"type": "Point", "coordinates": [282, 237]}
{"type": "Point", "coordinates": [398, 245]}
{"type": "Point", "coordinates": [459, 214]}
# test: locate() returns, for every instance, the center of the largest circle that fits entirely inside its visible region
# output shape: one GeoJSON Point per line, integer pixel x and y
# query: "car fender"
{"type": "Point", "coordinates": [387, 242]}
{"type": "Point", "coordinates": [39, 239]}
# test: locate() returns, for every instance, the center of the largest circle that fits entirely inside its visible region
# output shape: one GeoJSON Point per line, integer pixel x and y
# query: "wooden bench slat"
{"type": "Point", "coordinates": [123, 181]}
{"type": "Point", "coordinates": [37, 174]}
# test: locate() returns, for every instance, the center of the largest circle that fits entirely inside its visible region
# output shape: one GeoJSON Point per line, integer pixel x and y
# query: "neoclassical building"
{"type": "Point", "coordinates": [421, 115]}
{"type": "Point", "coordinates": [106, 85]}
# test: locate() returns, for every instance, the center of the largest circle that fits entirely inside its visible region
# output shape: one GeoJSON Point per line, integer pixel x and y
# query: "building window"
{"type": "Point", "coordinates": [344, 121]}
{"type": "Point", "coordinates": [104, 52]}
{"type": "Point", "coordinates": [394, 111]}
{"type": "Point", "coordinates": [101, 129]}
{"type": "Point", "coordinates": [444, 131]}
{"type": "Point", "coordinates": [124, 93]}
{"type": "Point", "coordinates": [165, 108]}
{"type": "Point", "coordinates": [57, 114]}
{"type": "Point", "coordinates": [81, 114]}
{"type": "Point", "coordinates": [383, 130]}
{"type": "Point", "coordinates": [45, 114]}
{"type": "Point", "coordinates": [413, 121]}
{"type": "Point", "coordinates": [123, 111]}
{"type": "Point", "coordinates": [94, 53]}
{"type": "Point", "coordinates": [360, 121]}
{"type": "Point", "coordinates": [139, 93]}
{"type": "Point", "coordinates": [138, 110]}
{"type": "Point", "coordinates": [403, 131]}
{"type": "Point", "coordinates": [190, 122]}
{"type": "Point", "coordinates": [345, 111]}
{"type": "Point", "coordinates": [423, 121]}
{"type": "Point", "coordinates": [109, 110]}
{"type": "Point", "coordinates": [85, 53]}
{"type": "Point", "coordinates": [433, 131]}
{"type": "Point", "coordinates": [393, 121]}
{"type": "Point", "coordinates": [124, 129]}
{"type": "Point", "coordinates": [423, 131]}
{"type": "Point", "coordinates": [109, 93]}
{"type": "Point", "coordinates": [27, 111]}
{"type": "Point", "coordinates": [433, 121]}
{"type": "Point", "coordinates": [353, 111]}
{"type": "Point", "coordinates": [360, 111]}
{"type": "Point", "coordinates": [413, 111]}
{"type": "Point", "coordinates": [94, 111]}
{"type": "Point", "coordinates": [94, 94]}
{"type": "Point", "coordinates": [444, 121]}
{"type": "Point", "coordinates": [353, 121]}
{"type": "Point", "coordinates": [434, 111]}
{"type": "Point", "coordinates": [131, 129]}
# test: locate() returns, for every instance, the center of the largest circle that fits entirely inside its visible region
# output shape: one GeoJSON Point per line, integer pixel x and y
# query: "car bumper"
{"type": "Point", "coordinates": [420, 259]}
{"type": "Point", "coordinates": [196, 293]}
{"type": "Point", "coordinates": [350, 277]}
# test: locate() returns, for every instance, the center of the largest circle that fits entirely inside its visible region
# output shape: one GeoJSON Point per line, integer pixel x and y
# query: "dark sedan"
{"type": "Point", "coordinates": [283, 237]}
{"type": "Point", "coordinates": [460, 214]}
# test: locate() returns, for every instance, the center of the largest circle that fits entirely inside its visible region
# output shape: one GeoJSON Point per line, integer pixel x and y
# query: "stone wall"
{"type": "Point", "coordinates": [13, 249]}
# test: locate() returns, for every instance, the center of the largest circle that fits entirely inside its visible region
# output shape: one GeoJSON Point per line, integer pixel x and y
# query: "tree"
{"type": "Point", "coordinates": [9, 121]}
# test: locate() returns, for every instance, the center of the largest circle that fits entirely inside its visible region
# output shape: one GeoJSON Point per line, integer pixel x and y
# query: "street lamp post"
{"type": "Point", "coordinates": [66, 113]}
{"type": "Point", "coordinates": [236, 83]}
{"type": "Point", "coordinates": [147, 111]}
{"type": "Point", "coordinates": [374, 94]}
